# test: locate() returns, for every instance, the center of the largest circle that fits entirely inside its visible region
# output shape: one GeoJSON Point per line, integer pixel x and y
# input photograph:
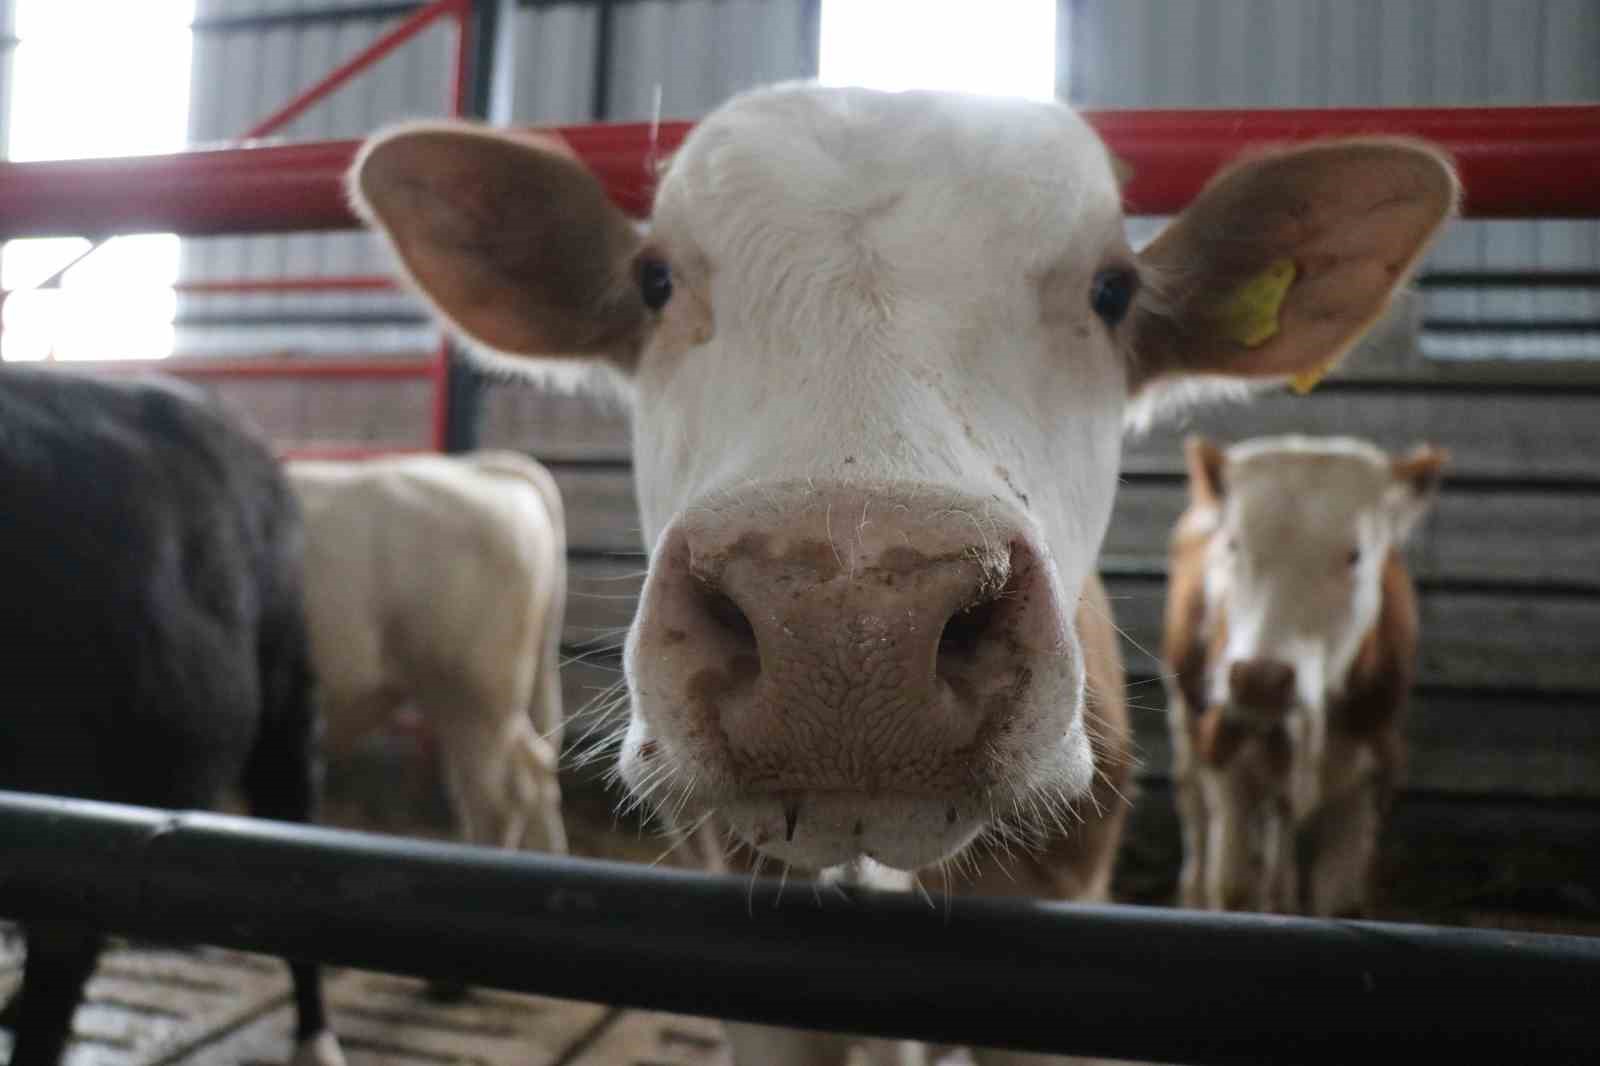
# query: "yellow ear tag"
{"type": "Point", "coordinates": [1306, 380]}
{"type": "Point", "coordinates": [1250, 315]}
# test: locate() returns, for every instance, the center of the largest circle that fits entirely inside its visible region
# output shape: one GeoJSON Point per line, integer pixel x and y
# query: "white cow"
{"type": "Point", "coordinates": [441, 581]}
{"type": "Point", "coordinates": [1291, 642]}
{"type": "Point", "coordinates": [883, 348]}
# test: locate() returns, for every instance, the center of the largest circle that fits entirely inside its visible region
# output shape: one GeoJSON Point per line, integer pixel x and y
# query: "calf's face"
{"type": "Point", "coordinates": [1303, 528]}
{"type": "Point", "coordinates": [882, 347]}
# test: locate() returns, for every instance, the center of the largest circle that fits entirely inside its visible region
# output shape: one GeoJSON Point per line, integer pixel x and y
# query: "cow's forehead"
{"type": "Point", "coordinates": [1316, 487]}
{"type": "Point", "coordinates": [815, 161]}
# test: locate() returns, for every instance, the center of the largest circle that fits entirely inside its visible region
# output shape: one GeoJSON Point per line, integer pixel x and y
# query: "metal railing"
{"type": "Point", "coordinates": [1130, 982]}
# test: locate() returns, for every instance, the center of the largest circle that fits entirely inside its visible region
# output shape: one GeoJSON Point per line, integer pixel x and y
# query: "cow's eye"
{"type": "Point", "coordinates": [655, 283]}
{"type": "Point", "coordinates": [1111, 294]}
{"type": "Point", "coordinates": [1352, 557]}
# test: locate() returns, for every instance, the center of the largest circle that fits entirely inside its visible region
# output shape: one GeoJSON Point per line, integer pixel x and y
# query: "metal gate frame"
{"type": "Point", "coordinates": [1146, 983]}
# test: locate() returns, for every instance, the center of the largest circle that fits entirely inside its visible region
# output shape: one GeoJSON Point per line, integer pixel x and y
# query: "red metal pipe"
{"type": "Point", "coordinates": [461, 61]}
{"type": "Point", "coordinates": [413, 24]}
{"type": "Point", "coordinates": [292, 369]}
{"type": "Point", "coordinates": [1518, 162]}
{"type": "Point", "coordinates": [1515, 162]}
{"type": "Point", "coordinates": [206, 191]}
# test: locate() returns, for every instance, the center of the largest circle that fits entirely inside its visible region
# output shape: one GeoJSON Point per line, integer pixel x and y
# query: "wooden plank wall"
{"type": "Point", "coordinates": [1503, 801]}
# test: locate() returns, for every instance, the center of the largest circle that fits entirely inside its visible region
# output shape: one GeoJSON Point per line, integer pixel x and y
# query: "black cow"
{"type": "Point", "coordinates": [151, 635]}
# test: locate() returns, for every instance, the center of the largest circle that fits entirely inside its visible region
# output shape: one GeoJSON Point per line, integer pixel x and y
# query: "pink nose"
{"type": "Point", "coordinates": [816, 652]}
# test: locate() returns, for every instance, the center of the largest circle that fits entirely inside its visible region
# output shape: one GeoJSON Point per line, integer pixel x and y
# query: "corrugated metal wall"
{"type": "Point", "coordinates": [8, 44]}
{"type": "Point", "coordinates": [250, 56]}
{"type": "Point", "coordinates": [697, 52]}
{"type": "Point", "coordinates": [1352, 53]}
{"type": "Point", "coordinates": [243, 71]}
{"type": "Point", "coordinates": [579, 60]}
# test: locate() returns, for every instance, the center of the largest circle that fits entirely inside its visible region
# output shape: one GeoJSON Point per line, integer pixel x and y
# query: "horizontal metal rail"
{"type": "Point", "coordinates": [1128, 982]}
{"type": "Point", "coordinates": [347, 453]}
{"type": "Point", "coordinates": [252, 286]}
{"type": "Point", "coordinates": [1516, 162]}
{"type": "Point", "coordinates": [358, 369]}
{"type": "Point", "coordinates": [1510, 279]}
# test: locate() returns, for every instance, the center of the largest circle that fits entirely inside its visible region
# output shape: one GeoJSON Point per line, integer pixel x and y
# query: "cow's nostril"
{"type": "Point", "coordinates": [721, 609]}
{"type": "Point", "coordinates": [965, 632]}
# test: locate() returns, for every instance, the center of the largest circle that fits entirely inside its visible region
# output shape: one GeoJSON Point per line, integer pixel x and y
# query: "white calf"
{"type": "Point", "coordinates": [883, 347]}
{"type": "Point", "coordinates": [442, 581]}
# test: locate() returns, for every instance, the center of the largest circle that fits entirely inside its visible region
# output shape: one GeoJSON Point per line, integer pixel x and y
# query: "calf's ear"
{"type": "Point", "coordinates": [1286, 258]}
{"type": "Point", "coordinates": [510, 239]}
{"type": "Point", "coordinates": [1415, 487]}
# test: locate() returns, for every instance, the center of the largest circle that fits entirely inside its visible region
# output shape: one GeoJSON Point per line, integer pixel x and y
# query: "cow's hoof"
{"type": "Point", "coordinates": [320, 1050]}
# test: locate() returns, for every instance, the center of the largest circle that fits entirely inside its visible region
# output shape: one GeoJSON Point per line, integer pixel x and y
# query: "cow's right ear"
{"type": "Point", "coordinates": [1205, 461]}
{"type": "Point", "coordinates": [514, 243]}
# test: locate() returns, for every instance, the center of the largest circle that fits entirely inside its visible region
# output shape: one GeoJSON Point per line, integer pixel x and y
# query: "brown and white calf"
{"type": "Point", "coordinates": [441, 581]}
{"type": "Point", "coordinates": [1291, 643]}
{"type": "Point", "coordinates": [882, 348]}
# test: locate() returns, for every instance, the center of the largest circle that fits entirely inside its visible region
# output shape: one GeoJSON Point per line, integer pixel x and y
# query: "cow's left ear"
{"type": "Point", "coordinates": [1285, 259]}
{"type": "Point", "coordinates": [1415, 486]}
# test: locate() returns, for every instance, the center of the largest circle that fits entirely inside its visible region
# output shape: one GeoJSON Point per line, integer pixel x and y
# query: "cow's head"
{"type": "Point", "coordinates": [1300, 533]}
{"type": "Point", "coordinates": [882, 347]}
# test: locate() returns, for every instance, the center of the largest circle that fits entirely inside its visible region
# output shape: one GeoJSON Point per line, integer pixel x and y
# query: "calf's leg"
{"type": "Point", "coordinates": [281, 782]}
{"type": "Point", "coordinates": [61, 956]}
{"type": "Point", "coordinates": [1192, 822]}
{"type": "Point", "coordinates": [1343, 844]}
{"type": "Point", "coordinates": [502, 777]}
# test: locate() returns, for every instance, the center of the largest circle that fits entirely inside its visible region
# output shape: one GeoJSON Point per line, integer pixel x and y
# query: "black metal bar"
{"type": "Point", "coordinates": [1129, 982]}
{"type": "Point", "coordinates": [1478, 484]}
{"type": "Point", "coordinates": [1510, 279]}
{"type": "Point", "coordinates": [467, 390]}
{"type": "Point", "coordinates": [279, 20]}
{"type": "Point", "coordinates": [1510, 325]}
{"type": "Point", "coordinates": [1133, 573]}
{"type": "Point", "coordinates": [259, 319]}
{"type": "Point", "coordinates": [604, 43]}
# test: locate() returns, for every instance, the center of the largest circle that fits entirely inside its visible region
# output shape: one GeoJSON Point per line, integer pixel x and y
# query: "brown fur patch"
{"type": "Point", "coordinates": [1374, 701]}
{"type": "Point", "coordinates": [1184, 639]}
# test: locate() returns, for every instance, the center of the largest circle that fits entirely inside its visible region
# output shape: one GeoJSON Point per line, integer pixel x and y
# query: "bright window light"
{"type": "Point", "coordinates": [993, 47]}
{"type": "Point", "coordinates": [95, 78]}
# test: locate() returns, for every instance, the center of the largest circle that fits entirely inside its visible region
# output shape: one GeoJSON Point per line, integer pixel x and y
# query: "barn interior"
{"type": "Point", "coordinates": [1493, 354]}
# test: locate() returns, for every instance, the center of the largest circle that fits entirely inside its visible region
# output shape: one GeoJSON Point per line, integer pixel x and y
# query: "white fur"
{"type": "Point", "coordinates": [1295, 507]}
{"type": "Point", "coordinates": [846, 349]}
{"type": "Point", "coordinates": [442, 581]}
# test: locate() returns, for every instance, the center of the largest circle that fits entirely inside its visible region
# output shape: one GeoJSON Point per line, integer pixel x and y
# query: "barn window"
{"type": "Point", "coordinates": [999, 47]}
{"type": "Point", "coordinates": [95, 78]}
